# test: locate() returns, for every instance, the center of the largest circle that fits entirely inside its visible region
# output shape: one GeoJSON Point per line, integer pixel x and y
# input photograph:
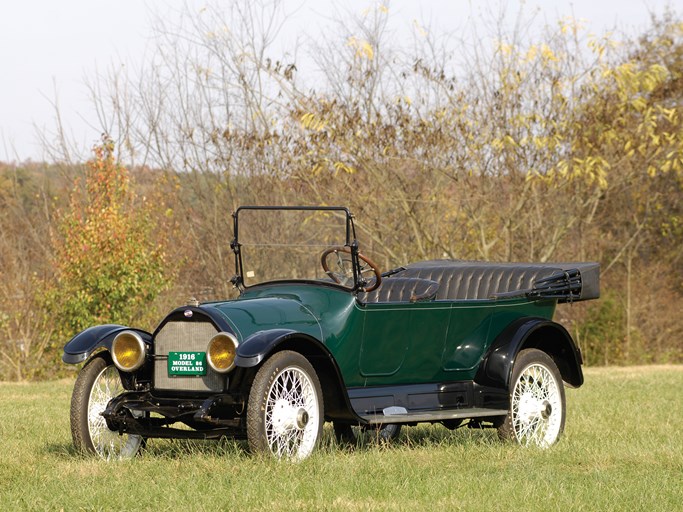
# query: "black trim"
{"type": "Point", "coordinates": [253, 350]}
{"type": "Point", "coordinates": [530, 332]}
{"type": "Point", "coordinates": [85, 343]}
{"type": "Point", "coordinates": [238, 279]}
{"type": "Point", "coordinates": [259, 346]}
{"type": "Point", "coordinates": [199, 314]}
{"type": "Point", "coordinates": [302, 282]}
{"type": "Point", "coordinates": [211, 417]}
{"type": "Point", "coordinates": [422, 398]}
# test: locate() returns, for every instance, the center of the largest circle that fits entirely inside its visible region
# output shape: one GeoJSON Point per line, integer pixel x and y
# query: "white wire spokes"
{"type": "Point", "coordinates": [107, 443]}
{"type": "Point", "coordinates": [291, 415]}
{"type": "Point", "coordinates": [536, 407]}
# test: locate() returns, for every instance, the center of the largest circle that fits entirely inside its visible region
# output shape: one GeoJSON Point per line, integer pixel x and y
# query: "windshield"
{"type": "Point", "coordinates": [278, 243]}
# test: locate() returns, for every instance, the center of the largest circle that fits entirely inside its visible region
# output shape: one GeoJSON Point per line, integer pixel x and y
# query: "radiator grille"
{"type": "Point", "coordinates": [184, 336]}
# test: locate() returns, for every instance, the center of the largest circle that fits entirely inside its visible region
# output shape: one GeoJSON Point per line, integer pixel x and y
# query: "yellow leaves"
{"type": "Point", "coordinates": [362, 47]}
{"type": "Point", "coordinates": [311, 121]}
{"type": "Point", "coordinates": [599, 45]}
{"type": "Point", "coordinates": [628, 149]}
{"type": "Point", "coordinates": [670, 114]}
{"type": "Point", "coordinates": [518, 61]}
{"type": "Point", "coordinates": [547, 54]}
{"type": "Point", "coordinates": [592, 170]}
{"type": "Point", "coordinates": [569, 24]}
{"type": "Point", "coordinates": [341, 166]}
{"type": "Point", "coordinates": [505, 49]}
{"type": "Point", "coordinates": [381, 8]}
{"type": "Point", "coordinates": [631, 81]}
{"type": "Point", "coordinates": [419, 29]}
{"type": "Point", "coordinates": [338, 166]}
{"type": "Point", "coordinates": [531, 53]}
{"type": "Point", "coordinates": [509, 141]}
{"type": "Point", "coordinates": [639, 103]}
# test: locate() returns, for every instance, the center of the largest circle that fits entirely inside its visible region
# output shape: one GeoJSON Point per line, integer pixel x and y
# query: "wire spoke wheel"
{"type": "Point", "coordinates": [96, 385]}
{"type": "Point", "coordinates": [537, 401]}
{"type": "Point", "coordinates": [285, 412]}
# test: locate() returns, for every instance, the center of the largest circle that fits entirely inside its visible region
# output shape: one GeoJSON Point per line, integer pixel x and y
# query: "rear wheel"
{"type": "Point", "coordinates": [537, 401]}
{"type": "Point", "coordinates": [97, 383]}
{"type": "Point", "coordinates": [285, 410]}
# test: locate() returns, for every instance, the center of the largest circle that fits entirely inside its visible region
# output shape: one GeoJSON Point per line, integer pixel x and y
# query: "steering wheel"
{"type": "Point", "coordinates": [343, 264]}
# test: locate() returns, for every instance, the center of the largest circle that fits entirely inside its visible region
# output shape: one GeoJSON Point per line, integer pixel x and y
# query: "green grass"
{"type": "Point", "coordinates": [622, 450]}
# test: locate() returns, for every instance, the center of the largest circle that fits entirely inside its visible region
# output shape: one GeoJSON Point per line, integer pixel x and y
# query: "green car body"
{"type": "Point", "coordinates": [383, 344]}
{"type": "Point", "coordinates": [435, 341]}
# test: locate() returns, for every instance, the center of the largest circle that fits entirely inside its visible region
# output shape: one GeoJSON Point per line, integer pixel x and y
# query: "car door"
{"type": "Point", "coordinates": [403, 342]}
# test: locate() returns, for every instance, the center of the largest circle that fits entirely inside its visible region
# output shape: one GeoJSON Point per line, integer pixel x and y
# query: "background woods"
{"type": "Point", "coordinates": [553, 146]}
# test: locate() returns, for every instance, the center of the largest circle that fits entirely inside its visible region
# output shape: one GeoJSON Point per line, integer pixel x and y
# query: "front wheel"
{"type": "Point", "coordinates": [285, 410]}
{"type": "Point", "coordinates": [97, 383]}
{"type": "Point", "coordinates": [537, 401]}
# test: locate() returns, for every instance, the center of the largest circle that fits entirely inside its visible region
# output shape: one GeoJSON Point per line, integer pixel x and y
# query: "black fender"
{"type": "Point", "coordinates": [256, 348]}
{"type": "Point", "coordinates": [530, 332]}
{"type": "Point", "coordinates": [85, 343]}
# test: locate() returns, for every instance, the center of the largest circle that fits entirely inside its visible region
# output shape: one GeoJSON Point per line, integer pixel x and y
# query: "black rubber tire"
{"type": "Point", "coordinates": [80, 409]}
{"type": "Point", "coordinates": [261, 406]}
{"type": "Point", "coordinates": [526, 359]}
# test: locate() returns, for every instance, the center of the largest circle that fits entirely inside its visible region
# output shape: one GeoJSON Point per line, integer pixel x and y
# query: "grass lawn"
{"type": "Point", "coordinates": [622, 450]}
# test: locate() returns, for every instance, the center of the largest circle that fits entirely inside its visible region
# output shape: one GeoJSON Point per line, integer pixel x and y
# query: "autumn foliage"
{"type": "Point", "coordinates": [109, 259]}
{"type": "Point", "coordinates": [563, 145]}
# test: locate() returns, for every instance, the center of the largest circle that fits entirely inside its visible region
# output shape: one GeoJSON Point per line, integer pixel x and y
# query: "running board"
{"type": "Point", "coordinates": [401, 415]}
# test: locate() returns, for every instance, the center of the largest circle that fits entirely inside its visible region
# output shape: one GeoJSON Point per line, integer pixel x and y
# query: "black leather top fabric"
{"type": "Point", "coordinates": [468, 280]}
{"type": "Point", "coordinates": [401, 289]}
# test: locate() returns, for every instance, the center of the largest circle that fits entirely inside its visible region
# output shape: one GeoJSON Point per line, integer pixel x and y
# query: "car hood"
{"type": "Point", "coordinates": [247, 316]}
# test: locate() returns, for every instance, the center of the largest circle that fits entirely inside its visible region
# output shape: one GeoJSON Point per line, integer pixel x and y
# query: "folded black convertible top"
{"type": "Point", "coordinates": [471, 280]}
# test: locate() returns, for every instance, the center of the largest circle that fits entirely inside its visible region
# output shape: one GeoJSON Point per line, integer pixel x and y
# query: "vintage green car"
{"type": "Point", "coordinates": [318, 333]}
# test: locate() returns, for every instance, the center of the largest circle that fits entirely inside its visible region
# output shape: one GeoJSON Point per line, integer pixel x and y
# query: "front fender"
{"type": "Point", "coordinates": [256, 347]}
{"type": "Point", "coordinates": [546, 335]}
{"type": "Point", "coordinates": [85, 343]}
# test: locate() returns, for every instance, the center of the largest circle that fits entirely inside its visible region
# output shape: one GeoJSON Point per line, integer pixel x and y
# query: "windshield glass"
{"type": "Point", "coordinates": [287, 244]}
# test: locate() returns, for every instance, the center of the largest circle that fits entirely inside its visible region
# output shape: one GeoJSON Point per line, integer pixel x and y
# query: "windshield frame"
{"type": "Point", "coordinates": [350, 241]}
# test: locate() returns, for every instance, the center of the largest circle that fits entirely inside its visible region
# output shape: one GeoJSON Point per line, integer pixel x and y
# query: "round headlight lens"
{"type": "Point", "coordinates": [128, 351]}
{"type": "Point", "coordinates": [222, 351]}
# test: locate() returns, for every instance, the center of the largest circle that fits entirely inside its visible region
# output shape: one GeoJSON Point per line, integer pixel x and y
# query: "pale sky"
{"type": "Point", "coordinates": [49, 49]}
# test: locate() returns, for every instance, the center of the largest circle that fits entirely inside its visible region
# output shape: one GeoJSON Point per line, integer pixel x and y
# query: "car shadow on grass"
{"type": "Point", "coordinates": [420, 436]}
{"type": "Point", "coordinates": [181, 448]}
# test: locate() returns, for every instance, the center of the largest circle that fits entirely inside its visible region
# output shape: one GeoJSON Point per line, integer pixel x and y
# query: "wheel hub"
{"type": "Point", "coordinates": [301, 418]}
{"type": "Point", "coordinates": [531, 408]}
{"type": "Point", "coordinates": [286, 417]}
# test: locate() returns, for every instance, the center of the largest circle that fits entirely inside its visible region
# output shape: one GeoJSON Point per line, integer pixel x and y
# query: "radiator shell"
{"type": "Point", "coordinates": [184, 336]}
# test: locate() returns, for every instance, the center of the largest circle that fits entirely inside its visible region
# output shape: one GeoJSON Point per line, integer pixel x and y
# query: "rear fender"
{"type": "Point", "coordinates": [87, 342]}
{"type": "Point", "coordinates": [539, 333]}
